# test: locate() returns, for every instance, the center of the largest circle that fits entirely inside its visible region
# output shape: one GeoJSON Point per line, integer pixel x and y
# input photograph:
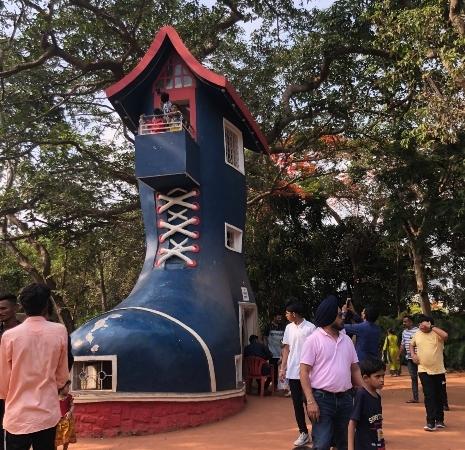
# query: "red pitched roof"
{"type": "Point", "coordinates": [197, 69]}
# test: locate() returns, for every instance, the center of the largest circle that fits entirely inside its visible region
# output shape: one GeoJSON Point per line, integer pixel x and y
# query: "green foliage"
{"type": "Point", "coordinates": [379, 208]}
{"type": "Point", "coordinates": [12, 278]}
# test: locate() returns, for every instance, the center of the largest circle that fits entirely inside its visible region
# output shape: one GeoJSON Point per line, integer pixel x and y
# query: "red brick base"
{"type": "Point", "coordinates": [108, 419]}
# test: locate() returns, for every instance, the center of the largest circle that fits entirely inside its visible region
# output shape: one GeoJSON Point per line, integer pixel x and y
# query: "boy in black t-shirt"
{"type": "Point", "coordinates": [366, 422]}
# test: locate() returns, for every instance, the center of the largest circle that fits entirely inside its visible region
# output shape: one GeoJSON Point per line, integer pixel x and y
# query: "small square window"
{"type": "Point", "coordinates": [232, 238]}
{"type": "Point", "coordinates": [94, 374]}
{"type": "Point", "coordinates": [233, 146]}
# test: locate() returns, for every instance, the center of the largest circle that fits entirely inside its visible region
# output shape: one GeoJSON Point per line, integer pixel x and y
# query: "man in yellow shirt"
{"type": "Point", "coordinates": [427, 350]}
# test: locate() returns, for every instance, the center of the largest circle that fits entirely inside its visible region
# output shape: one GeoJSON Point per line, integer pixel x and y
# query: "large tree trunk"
{"type": "Point", "coordinates": [417, 256]}
{"type": "Point", "coordinates": [103, 289]}
{"type": "Point", "coordinates": [420, 279]}
{"type": "Point", "coordinates": [398, 280]}
{"type": "Point", "coordinates": [357, 294]}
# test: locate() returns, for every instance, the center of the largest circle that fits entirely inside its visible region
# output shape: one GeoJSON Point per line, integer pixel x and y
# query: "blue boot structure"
{"type": "Point", "coordinates": [181, 328]}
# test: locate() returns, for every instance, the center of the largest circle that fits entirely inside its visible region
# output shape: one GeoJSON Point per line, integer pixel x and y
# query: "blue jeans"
{"type": "Point", "coordinates": [331, 428]}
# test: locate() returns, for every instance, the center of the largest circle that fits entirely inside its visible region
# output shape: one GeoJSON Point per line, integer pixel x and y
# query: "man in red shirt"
{"type": "Point", "coordinates": [33, 365]}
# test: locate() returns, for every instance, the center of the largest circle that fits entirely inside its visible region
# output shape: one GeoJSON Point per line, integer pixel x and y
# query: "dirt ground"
{"type": "Point", "coordinates": [268, 423]}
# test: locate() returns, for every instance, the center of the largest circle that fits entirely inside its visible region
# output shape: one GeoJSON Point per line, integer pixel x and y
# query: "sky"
{"type": "Point", "coordinates": [311, 4]}
{"type": "Point", "coordinates": [251, 26]}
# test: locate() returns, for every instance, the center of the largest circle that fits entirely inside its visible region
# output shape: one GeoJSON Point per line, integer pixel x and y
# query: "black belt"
{"type": "Point", "coordinates": [334, 394]}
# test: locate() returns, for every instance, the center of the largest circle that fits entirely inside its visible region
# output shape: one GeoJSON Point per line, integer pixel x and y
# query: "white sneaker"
{"type": "Point", "coordinates": [302, 439]}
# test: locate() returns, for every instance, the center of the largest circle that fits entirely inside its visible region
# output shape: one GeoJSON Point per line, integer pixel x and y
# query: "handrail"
{"type": "Point", "coordinates": [163, 123]}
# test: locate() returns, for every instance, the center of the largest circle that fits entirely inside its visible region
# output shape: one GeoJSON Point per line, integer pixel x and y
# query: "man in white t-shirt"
{"type": "Point", "coordinates": [294, 336]}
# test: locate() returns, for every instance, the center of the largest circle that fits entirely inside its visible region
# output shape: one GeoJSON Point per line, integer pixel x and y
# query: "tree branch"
{"type": "Point", "coordinates": [114, 23]}
{"type": "Point", "coordinates": [222, 26]}
{"type": "Point", "coordinates": [123, 176]}
{"type": "Point", "coordinates": [49, 53]}
{"type": "Point", "coordinates": [23, 261]}
{"type": "Point", "coordinates": [328, 58]}
{"type": "Point", "coordinates": [334, 214]}
{"type": "Point", "coordinates": [53, 50]}
{"type": "Point", "coordinates": [38, 247]}
{"type": "Point", "coordinates": [457, 19]}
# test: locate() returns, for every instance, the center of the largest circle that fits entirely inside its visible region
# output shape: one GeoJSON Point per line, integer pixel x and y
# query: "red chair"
{"type": "Point", "coordinates": [253, 371]}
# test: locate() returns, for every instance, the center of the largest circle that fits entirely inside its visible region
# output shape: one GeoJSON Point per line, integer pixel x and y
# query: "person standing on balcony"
{"type": "Point", "coordinates": [166, 104]}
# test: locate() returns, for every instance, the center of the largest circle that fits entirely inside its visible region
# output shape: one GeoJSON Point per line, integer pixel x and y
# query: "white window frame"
{"type": "Point", "coordinates": [227, 125]}
{"type": "Point", "coordinates": [90, 359]}
{"type": "Point", "coordinates": [238, 365]}
{"type": "Point", "coordinates": [248, 322]}
{"type": "Point", "coordinates": [237, 233]}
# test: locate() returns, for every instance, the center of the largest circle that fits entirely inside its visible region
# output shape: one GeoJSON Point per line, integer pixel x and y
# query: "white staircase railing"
{"type": "Point", "coordinates": [163, 123]}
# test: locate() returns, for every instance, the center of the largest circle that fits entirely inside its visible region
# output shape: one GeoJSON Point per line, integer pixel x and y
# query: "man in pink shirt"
{"type": "Point", "coordinates": [33, 365]}
{"type": "Point", "coordinates": [328, 371]}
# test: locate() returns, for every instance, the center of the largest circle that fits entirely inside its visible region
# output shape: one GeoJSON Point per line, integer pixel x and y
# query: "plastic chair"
{"type": "Point", "coordinates": [253, 371]}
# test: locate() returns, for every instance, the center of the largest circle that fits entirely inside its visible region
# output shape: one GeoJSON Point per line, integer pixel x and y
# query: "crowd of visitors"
{"type": "Point", "coordinates": [333, 381]}
{"type": "Point", "coordinates": [335, 368]}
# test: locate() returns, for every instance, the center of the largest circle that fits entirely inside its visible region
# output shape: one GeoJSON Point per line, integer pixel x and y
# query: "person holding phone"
{"type": "Point", "coordinates": [368, 334]}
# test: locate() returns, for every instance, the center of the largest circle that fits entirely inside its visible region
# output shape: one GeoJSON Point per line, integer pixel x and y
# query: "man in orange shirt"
{"type": "Point", "coordinates": [33, 365]}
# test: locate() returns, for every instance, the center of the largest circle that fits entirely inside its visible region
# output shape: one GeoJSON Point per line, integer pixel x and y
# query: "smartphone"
{"type": "Point", "coordinates": [348, 301]}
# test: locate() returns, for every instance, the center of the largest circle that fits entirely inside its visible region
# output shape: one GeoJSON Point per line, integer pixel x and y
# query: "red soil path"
{"type": "Point", "coordinates": [267, 424]}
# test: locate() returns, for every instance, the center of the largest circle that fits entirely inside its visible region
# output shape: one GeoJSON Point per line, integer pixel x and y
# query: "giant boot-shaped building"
{"type": "Point", "coordinates": [178, 336]}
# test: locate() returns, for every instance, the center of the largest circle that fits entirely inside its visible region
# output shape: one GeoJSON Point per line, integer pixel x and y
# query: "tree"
{"type": "Point", "coordinates": [66, 162]}
{"type": "Point", "coordinates": [362, 103]}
